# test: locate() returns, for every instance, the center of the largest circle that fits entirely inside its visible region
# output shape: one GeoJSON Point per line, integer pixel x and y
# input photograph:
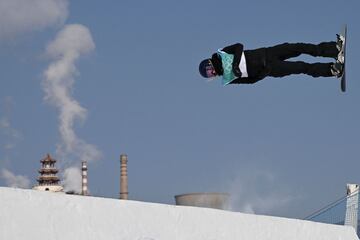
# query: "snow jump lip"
{"type": "Point", "coordinates": [30, 214]}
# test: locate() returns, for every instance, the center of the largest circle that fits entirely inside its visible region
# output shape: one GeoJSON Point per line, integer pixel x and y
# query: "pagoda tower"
{"type": "Point", "coordinates": [48, 180]}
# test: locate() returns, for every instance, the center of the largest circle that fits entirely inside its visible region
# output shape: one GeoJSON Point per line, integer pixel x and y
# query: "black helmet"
{"type": "Point", "coordinates": [207, 69]}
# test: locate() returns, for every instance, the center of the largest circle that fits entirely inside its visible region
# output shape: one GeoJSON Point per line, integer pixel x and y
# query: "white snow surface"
{"type": "Point", "coordinates": [30, 214]}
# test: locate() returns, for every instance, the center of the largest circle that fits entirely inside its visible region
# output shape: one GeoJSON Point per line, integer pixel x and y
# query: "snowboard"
{"type": "Point", "coordinates": [343, 76]}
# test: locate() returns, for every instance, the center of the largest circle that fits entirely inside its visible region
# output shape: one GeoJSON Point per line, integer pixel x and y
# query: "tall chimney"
{"type": "Point", "coordinates": [84, 183]}
{"type": "Point", "coordinates": [123, 177]}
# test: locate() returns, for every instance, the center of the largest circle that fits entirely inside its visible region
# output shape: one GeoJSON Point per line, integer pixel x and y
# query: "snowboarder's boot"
{"type": "Point", "coordinates": [337, 69]}
{"type": "Point", "coordinates": [340, 43]}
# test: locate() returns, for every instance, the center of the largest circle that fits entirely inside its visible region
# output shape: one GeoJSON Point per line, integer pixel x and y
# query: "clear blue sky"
{"type": "Point", "coordinates": [283, 146]}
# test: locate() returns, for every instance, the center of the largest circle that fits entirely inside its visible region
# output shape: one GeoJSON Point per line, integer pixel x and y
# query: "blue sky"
{"type": "Point", "coordinates": [283, 146]}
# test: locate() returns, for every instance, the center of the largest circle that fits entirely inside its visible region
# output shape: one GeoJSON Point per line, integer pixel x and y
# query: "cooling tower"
{"type": "Point", "coordinates": [206, 200]}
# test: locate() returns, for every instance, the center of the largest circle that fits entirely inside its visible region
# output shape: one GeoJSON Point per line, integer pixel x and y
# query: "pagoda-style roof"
{"type": "Point", "coordinates": [48, 184]}
{"type": "Point", "coordinates": [48, 177]}
{"type": "Point", "coordinates": [48, 159]}
{"type": "Point", "coordinates": [48, 181]}
{"type": "Point", "coordinates": [48, 171]}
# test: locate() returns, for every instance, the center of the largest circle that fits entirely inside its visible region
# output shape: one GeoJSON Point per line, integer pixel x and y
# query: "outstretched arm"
{"type": "Point", "coordinates": [245, 80]}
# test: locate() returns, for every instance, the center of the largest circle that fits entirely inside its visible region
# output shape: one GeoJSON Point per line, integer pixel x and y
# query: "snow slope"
{"type": "Point", "coordinates": [35, 215]}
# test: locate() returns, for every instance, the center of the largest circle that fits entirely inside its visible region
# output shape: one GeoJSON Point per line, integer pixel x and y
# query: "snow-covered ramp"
{"type": "Point", "coordinates": [29, 214]}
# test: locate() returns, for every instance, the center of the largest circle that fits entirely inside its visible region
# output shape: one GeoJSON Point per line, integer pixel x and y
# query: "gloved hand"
{"type": "Point", "coordinates": [237, 71]}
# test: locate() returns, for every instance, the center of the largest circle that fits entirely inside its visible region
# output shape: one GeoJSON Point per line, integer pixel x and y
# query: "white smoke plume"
{"type": "Point", "coordinates": [258, 192]}
{"type": "Point", "coordinates": [21, 16]}
{"type": "Point", "coordinates": [72, 176]}
{"type": "Point", "coordinates": [70, 43]}
{"type": "Point", "coordinates": [16, 181]}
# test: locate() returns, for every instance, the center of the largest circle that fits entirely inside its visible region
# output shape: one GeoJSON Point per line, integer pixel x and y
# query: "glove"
{"type": "Point", "coordinates": [237, 71]}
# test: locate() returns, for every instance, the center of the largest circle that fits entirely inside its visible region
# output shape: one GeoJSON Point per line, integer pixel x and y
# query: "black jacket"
{"type": "Point", "coordinates": [255, 63]}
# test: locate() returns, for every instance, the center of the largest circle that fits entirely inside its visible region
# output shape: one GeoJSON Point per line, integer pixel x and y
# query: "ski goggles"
{"type": "Point", "coordinates": [210, 70]}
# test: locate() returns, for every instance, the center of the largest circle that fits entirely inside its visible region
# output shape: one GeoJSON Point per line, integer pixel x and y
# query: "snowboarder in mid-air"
{"type": "Point", "coordinates": [237, 66]}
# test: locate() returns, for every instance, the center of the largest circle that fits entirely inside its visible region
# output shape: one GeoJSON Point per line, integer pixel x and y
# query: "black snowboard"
{"type": "Point", "coordinates": [343, 77]}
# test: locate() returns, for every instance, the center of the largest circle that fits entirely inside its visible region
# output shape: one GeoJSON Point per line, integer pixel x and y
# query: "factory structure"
{"type": "Point", "coordinates": [49, 181]}
{"type": "Point", "coordinates": [84, 181]}
{"type": "Point", "coordinates": [124, 193]}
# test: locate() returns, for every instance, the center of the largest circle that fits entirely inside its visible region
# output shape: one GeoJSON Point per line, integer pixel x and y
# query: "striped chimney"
{"type": "Point", "coordinates": [123, 177]}
{"type": "Point", "coordinates": [84, 183]}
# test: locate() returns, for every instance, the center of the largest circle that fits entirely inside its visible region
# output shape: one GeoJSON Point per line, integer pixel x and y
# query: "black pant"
{"type": "Point", "coordinates": [278, 67]}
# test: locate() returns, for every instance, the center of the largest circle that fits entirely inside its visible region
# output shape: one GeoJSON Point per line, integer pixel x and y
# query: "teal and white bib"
{"type": "Point", "coordinates": [226, 61]}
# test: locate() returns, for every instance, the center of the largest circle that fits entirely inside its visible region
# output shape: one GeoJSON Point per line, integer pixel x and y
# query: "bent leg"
{"type": "Point", "coordinates": [290, 50]}
{"type": "Point", "coordinates": [284, 68]}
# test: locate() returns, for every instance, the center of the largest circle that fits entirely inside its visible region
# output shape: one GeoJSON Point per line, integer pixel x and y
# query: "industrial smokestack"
{"type": "Point", "coordinates": [84, 185]}
{"type": "Point", "coordinates": [123, 177]}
